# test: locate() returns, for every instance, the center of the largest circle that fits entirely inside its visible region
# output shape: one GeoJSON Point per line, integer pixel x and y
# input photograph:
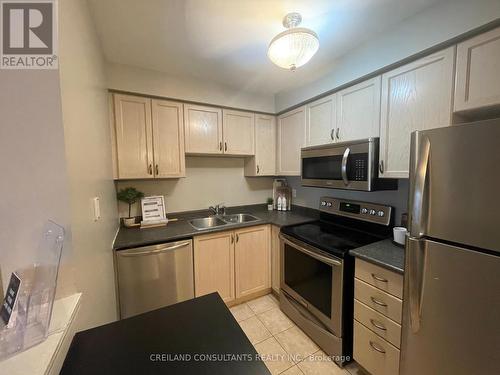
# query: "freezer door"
{"type": "Point", "coordinates": [154, 276]}
{"type": "Point", "coordinates": [455, 184]}
{"type": "Point", "coordinates": [450, 323]}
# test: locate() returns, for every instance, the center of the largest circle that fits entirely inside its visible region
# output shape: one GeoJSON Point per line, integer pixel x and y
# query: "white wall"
{"type": "Point", "coordinates": [144, 81]}
{"type": "Point", "coordinates": [310, 196]}
{"type": "Point", "coordinates": [434, 25]}
{"type": "Point", "coordinates": [88, 153]}
{"type": "Point", "coordinates": [208, 181]}
{"type": "Point", "coordinates": [33, 183]}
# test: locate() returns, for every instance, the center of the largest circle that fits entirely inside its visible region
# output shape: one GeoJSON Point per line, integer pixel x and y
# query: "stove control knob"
{"type": "Point", "coordinates": [329, 204]}
{"type": "Point", "coordinates": [323, 203]}
{"type": "Point", "coordinates": [381, 213]}
{"type": "Point", "coordinates": [364, 210]}
{"type": "Point", "coordinates": [373, 212]}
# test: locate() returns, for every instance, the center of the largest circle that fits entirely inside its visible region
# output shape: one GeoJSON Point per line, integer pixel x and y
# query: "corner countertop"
{"type": "Point", "coordinates": [198, 336]}
{"type": "Point", "coordinates": [383, 253]}
{"type": "Point", "coordinates": [181, 229]}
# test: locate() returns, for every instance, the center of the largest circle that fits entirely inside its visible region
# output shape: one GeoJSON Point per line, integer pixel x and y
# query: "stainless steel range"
{"type": "Point", "coordinates": [317, 273]}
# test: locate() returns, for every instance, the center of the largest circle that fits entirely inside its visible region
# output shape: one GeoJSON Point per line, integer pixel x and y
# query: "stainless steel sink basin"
{"type": "Point", "coordinates": [207, 222]}
{"type": "Point", "coordinates": [239, 218]}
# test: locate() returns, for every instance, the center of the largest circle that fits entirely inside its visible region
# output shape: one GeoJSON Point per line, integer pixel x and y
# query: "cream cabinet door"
{"type": "Point", "coordinates": [478, 72]}
{"type": "Point", "coordinates": [133, 132]}
{"type": "Point", "coordinates": [238, 132]}
{"type": "Point", "coordinates": [275, 258]}
{"type": "Point", "coordinates": [168, 139]}
{"type": "Point", "coordinates": [202, 129]}
{"type": "Point", "coordinates": [252, 260]}
{"type": "Point", "coordinates": [214, 264]}
{"type": "Point", "coordinates": [264, 162]}
{"type": "Point", "coordinates": [321, 121]}
{"type": "Point", "coordinates": [416, 96]}
{"type": "Point", "coordinates": [358, 111]}
{"type": "Point", "coordinates": [291, 138]}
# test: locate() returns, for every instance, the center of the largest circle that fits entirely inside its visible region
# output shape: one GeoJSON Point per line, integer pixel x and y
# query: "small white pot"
{"type": "Point", "coordinates": [128, 221]}
{"type": "Point", "coordinates": [269, 207]}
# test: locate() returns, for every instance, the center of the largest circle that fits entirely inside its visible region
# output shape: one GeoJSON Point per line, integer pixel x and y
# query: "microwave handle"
{"type": "Point", "coordinates": [344, 166]}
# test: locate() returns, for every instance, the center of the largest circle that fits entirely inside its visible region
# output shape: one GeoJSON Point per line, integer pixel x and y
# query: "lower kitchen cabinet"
{"type": "Point", "coordinates": [214, 265]}
{"type": "Point", "coordinates": [275, 258]}
{"type": "Point", "coordinates": [377, 318]}
{"type": "Point", "coordinates": [252, 258]}
{"type": "Point", "coordinates": [236, 264]}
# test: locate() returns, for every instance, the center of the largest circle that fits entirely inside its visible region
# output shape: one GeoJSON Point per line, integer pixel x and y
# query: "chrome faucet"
{"type": "Point", "coordinates": [218, 209]}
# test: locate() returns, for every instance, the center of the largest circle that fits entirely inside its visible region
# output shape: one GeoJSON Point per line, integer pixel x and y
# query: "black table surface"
{"type": "Point", "coordinates": [199, 336]}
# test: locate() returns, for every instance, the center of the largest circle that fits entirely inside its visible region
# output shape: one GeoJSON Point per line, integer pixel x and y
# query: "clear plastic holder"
{"type": "Point", "coordinates": [30, 319]}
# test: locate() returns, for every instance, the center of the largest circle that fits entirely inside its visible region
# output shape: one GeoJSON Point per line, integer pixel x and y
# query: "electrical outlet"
{"type": "Point", "coordinates": [294, 193]}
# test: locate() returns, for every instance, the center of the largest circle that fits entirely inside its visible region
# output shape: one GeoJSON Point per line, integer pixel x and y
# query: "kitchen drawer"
{"type": "Point", "coordinates": [389, 281]}
{"type": "Point", "coordinates": [373, 353]}
{"type": "Point", "coordinates": [378, 323]}
{"type": "Point", "coordinates": [378, 300]}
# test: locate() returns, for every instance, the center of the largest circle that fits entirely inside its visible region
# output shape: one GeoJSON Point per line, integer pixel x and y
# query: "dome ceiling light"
{"type": "Point", "coordinates": [294, 47]}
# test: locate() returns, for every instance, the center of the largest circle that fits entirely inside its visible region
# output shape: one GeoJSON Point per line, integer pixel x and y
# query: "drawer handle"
{"type": "Point", "coordinates": [378, 278]}
{"type": "Point", "coordinates": [377, 348]}
{"type": "Point", "coordinates": [378, 302]}
{"type": "Point", "coordinates": [378, 325]}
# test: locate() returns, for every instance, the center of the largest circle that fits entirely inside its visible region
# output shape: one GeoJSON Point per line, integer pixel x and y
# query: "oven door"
{"type": "Point", "coordinates": [347, 166]}
{"type": "Point", "coordinates": [313, 280]}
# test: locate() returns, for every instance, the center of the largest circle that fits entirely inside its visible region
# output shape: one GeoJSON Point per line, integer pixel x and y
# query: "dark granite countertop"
{"type": "Point", "coordinates": [383, 253]}
{"type": "Point", "coordinates": [148, 343]}
{"type": "Point", "coordinates": [181, 229]}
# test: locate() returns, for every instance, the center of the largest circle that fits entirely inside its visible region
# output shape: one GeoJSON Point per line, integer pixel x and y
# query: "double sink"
{"type": "Point", "coordinates": [219, 221]}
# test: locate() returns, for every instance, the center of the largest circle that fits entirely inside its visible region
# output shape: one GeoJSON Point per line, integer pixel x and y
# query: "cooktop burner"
{"type": "Point", "coordinates": [334, 239]}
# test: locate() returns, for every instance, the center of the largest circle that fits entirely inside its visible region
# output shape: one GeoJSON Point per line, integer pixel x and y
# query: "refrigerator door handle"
{"type": "Point", "coordinates": [416, 252]}
{"type": "Point", "coordinates": [418, 192]}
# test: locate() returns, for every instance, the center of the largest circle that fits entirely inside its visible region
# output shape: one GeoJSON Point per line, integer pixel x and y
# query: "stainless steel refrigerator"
{"type": "Point", "coordinates": [451, 309]}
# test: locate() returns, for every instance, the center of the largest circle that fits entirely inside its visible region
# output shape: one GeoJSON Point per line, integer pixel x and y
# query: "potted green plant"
{"type": "Point", "coordinates": [270, 204]}
{"type": "Point", "coordinates": [130, 196]}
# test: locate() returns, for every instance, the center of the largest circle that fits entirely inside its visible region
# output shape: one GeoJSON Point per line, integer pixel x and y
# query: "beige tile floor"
{"type": "Point", "coordinates": [289, 350]}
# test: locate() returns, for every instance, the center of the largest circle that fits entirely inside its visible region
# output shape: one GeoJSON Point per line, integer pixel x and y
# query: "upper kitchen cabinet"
{"type": "Point", "coordinates": [321, 121]}
{"type": "Point", "coordinates": [291, 138]}
{"type": "Point", "coordinates": [203, 129]}
{"type": "Point", "coordinates": [168, 139]}
{"type": "Point", "coordinates": [134, 136]}
{"type": "Point", "coordinates": [148, 138]}
{"type": "Point", "coordinates": [478, 72]}
{"type": "Point", "coordinates": [416, 96]}
{"type": "Point", "coordinates": [238, 132]}
{"type": "Point", "coordinates": [358, 111]}
{"type": "Point", "coordinates": [264, 162]}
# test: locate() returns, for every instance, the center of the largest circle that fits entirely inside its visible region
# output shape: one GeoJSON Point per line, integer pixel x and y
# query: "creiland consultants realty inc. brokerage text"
{"type": "Point", "coordinates": [28, 38]}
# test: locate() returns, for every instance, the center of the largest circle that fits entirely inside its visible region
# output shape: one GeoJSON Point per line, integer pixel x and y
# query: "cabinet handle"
{"type": "Point", "coordinates": [378, 278]}
{"type": "Point", "coordinates": [381, 166]}
{"type": "Point", "coordinates": [237, 237]}
{"type": "Point", "coordinates": [258, 169]}
{"type": "Point", "coordinates": [220, 146]}
{"type": "Point", "coordinates": [332, 134]}
{"type": "Point", "coordinates": [150, 169]}
{"type": "Point", "coordinates": [157, 170]}
{"type": "Point", "coordinates": [377, 325]}
{"type": "Point", "coordinates": [225, 146]}
{"type": "Point", "coordinates": [232, 238]}
{"type": "Point", "coordinates": [337, 133]}
{"type": "Point", "coordinates": [376, 348]}
{"type": "Point", "coordinates": [378, 302]}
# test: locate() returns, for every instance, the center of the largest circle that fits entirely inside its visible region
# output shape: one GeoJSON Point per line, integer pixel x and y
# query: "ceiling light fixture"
{"type": "Point", "coordinates": [294, 47]}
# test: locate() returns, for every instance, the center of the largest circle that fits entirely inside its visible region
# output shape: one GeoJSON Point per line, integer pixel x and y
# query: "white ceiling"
{"type": "Point", "coordinates": [225, 41]}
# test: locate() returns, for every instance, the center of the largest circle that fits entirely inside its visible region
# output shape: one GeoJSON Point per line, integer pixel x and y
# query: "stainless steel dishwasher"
{"type": "Point", "coordinates": [154, 276]}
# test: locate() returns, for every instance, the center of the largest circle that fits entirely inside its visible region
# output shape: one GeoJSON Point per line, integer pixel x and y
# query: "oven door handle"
{"type": "Point", "coordinates": [321, 258]}
{"type": "Point", "coordinates": [344, 166]}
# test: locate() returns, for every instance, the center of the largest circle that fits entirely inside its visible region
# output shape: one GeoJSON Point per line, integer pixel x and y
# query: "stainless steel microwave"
{"type": "Point", "coordinates": [347, 165]}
